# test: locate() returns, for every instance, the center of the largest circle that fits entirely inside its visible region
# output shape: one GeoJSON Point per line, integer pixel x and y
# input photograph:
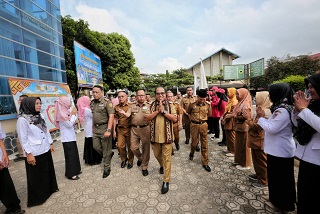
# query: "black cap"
{"type": "Point", "coordinates": [202, 93]}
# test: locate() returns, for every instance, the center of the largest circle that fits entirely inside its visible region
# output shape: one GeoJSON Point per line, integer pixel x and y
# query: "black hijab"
{"type": "Point", "coordinates": [28, 111]}
{"type": "Point", "coordinates": [305, 131]}
{"type": "Point", "coordinates": [281, 95]}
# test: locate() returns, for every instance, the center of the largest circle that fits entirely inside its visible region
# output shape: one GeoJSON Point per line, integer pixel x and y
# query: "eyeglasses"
{"type": "Point", "coordinates": [161, 93]}
{"type": "Point", "coordinates": [141, 95]}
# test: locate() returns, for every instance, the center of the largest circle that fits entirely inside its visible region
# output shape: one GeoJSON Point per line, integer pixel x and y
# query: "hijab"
{"type": "Point", "coordinates": [83, 103]}
{"type": "Point", "coordinates": [232, 99]}
{"type": "Point", "coordinates": [281, 95]}
{"type": "Point", "coordinates": [305, 131]}
{"type": "Point", "coordinates": [28, 111]}
{"type": "Point", "coordinates": [245, 101]}
{"type": "Point", "coordinates": [62, 110]}
{"type": "Point", "coordinates": [263, 101]}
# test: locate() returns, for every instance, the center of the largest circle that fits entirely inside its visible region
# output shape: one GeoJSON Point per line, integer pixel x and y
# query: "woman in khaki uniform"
{"type": "Point", "coordinates": [256, 142]}
{"type": "Point", "coordinates": [227, 121]}
{"type": "Point", "coordinates": [242, 113]}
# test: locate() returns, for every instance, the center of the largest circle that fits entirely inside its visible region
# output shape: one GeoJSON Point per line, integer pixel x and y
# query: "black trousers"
{"type": "Point", "coordinates": [8, 194]}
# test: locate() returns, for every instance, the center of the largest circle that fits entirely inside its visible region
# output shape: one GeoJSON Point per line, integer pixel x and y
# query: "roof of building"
{"type": "Point", "coordinates": [315, 56]}
{"type": "Point", "coordinates": [234, 56]}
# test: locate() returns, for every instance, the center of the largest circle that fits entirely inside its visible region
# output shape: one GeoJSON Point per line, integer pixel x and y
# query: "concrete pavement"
{"type": "Point", "coordinates": [192, 189]}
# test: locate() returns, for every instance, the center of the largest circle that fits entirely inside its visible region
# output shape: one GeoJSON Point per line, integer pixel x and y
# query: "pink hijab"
{"type": "Point", "coordinates": [62, 110]}
{"type": "Point", "coordinates": [83, 103]}
{"type": "Point", "coordinates": [245, 101]}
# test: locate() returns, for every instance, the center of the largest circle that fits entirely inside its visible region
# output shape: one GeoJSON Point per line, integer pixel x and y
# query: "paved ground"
{"type": "Point", "coordinates": [192, 189]}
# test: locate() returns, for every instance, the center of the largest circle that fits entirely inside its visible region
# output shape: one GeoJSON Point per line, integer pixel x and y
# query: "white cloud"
{"type": "Point", "coordinates": [170, 64]}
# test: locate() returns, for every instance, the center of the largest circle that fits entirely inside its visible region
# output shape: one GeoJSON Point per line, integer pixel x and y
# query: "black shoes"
{"type": "Point", "coordinates": [190, 156]}
{"type": "Point", "coordinates": [145, 172]}
{"type": "Point", "coordinates": [177, 146]}
{"type": "Point", "coordinates": [17, 159]}
{"type": "Point", "coordinates": [165, 187]}
{"type": "Point", "coordinates": [197, 148]}
{"type": "Point", "coordinates": [187, 142]}
{"type": "Point", "coordinates": [139, 162]}
{"type": "Point", "coordinates": [123, 164]}
{"type": "Point", "coordinates": [106, 173]}
{"type": "Point", "coordinates": [207, 168]}
{"type": "Point", "coordinates": [15, 212]}
{"type": "Point", "coordinates": [161, 170]}
{"type": "Point", "coordinates": [130, 165]}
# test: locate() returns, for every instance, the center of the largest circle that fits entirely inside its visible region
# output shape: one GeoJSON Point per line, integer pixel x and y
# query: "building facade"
{"type": "Point", "coordinates": [31, 48]}
{"type": "Point", "coordinates": [214, 63]}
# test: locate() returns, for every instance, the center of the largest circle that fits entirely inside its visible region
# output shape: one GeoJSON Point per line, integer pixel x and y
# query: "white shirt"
{"type": "Point", "coordinates": [310, 152]}
{"type": "Point", "coordinates": [278, 137]}
{"type": "Point", "coordinates": [33, 140]}
{"type": "Point", "coordinates": [87, 122]}
{"type": "Point", "coordinates": [2, 136]}
{"type": "Point", "coordinates": [67, 132]}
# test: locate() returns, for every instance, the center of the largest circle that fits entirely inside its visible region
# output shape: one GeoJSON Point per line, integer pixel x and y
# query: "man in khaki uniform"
{"type": "Point", "coordinates": [161, 117]}
{"type": "Point", "coordinates": [178, 97]}
{"type": "Point", "coordinates": [102, 121]}
{"type": "Point", "coordinates": [140, 131]}
{"type": "Point", "coordinates": [185, 102]}
{"type": "Point", "coordinates": [123, 131]}
{"type": "Point", "coordinates": [199, 112]}
{"type": "Point", "coordinates": [177, 126]}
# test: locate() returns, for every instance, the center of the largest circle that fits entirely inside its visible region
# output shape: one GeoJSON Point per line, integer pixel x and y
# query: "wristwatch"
{"type": "Point", "coordinates": [164, 112]}
{"type": "Point", "coordinates": [109, 130]}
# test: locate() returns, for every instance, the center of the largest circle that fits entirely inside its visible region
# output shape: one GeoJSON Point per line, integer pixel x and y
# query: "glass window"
{"type": "Point", "coordinates": [7, 7]}
{"type": "Point", "coordinates": [4, 89]}
{"type": "Point", "coordinates": [7, 107]}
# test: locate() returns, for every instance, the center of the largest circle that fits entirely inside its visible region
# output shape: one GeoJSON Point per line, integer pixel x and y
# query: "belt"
{"type": "Point", "coordinates": [123, 127]}
{"type": "Point", "coordinates": [140, 126]}
{"type": "Point", "coordinates": [198, 122]}
{"type": "Point", "coordinates": [99, 124]}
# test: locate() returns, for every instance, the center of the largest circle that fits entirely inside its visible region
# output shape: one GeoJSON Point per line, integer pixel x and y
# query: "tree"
{"type": "Point", "coordinates": [117, 60]}
{"type": "Point", "coordinates": [279, 69]}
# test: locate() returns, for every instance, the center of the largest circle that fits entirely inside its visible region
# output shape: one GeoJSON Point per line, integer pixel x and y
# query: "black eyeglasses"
{"type": "Point", "coordinates": [161, 93]}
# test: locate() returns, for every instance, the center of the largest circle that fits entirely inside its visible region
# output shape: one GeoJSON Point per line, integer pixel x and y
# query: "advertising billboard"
{"type": "Point", "coordinates": [88, 65]}
{"type": "Point", "coordinates": [257, 68]}
{"type": "Point", "coordinates": [47, 91]}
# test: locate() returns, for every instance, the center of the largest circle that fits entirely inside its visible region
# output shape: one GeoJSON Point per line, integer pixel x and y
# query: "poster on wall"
{"type": "Point", "coordinates": [47, 91]}
{"type": "Point", "coordinates": [88, 65]}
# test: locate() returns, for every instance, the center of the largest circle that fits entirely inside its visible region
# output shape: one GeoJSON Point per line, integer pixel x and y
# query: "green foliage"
{"type": "Point", "coordinates": [295, 81]}
{"type": "Point", "coordinates": [72, 82]}
{"type": "Point", "coordinates": [279, 69]}
{"type": "Point", "coordinates": [117, 60]}
{"type": "Point", "coordinates": [179, 77]}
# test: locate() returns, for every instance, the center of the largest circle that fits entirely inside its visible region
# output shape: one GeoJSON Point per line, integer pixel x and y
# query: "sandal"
{"type": "Point", "coordinates": [76, 177]}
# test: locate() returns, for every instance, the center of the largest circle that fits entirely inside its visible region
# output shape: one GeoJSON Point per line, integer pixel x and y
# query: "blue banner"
{"type": "Point", "coordinates": [88, 64]}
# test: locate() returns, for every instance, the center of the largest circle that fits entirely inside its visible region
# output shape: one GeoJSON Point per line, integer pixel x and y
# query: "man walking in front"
{"type": "Point", "coordinates": [199, 112]}
{"type": "Point", "coordinates": [102, 120]}
{"type": "Point", "coordinates": [161, 117]}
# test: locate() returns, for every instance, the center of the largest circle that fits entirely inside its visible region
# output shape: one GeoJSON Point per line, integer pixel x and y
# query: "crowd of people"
{"type": "Point", "coordinates": [282, 125]}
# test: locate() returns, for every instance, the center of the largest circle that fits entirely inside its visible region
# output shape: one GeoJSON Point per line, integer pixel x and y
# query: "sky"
{"type": "Point", "coordinates": [174, 34]}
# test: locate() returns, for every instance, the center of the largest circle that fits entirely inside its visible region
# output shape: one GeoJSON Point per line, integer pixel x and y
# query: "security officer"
{"type": "Point", "coordinates": [185, 102]}
{"type": "Point", "coordinates": [177, 126]}
{"type": "Point", "coordinates": [123, 131]}
{"type": "Point", "coordinates": [199, 112]}
{"type": "Point", "coordinates": [102, 120]}
{"type": "Point", "coordinates": [140, 131]}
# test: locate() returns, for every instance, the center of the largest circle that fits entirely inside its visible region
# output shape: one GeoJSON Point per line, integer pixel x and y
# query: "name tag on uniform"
{"type": "Point", "coordinates": [145, 108]}
{"type": "Point", "coordinates": [135, 109]}
{"type": "Point", "coordinates": [101, 105]}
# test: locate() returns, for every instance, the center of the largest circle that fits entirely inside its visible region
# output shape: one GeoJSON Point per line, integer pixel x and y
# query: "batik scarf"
{"type": "Point", "coordinates": [27, 110]}
{"type": "Point", "coordinates": [168, 124]}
